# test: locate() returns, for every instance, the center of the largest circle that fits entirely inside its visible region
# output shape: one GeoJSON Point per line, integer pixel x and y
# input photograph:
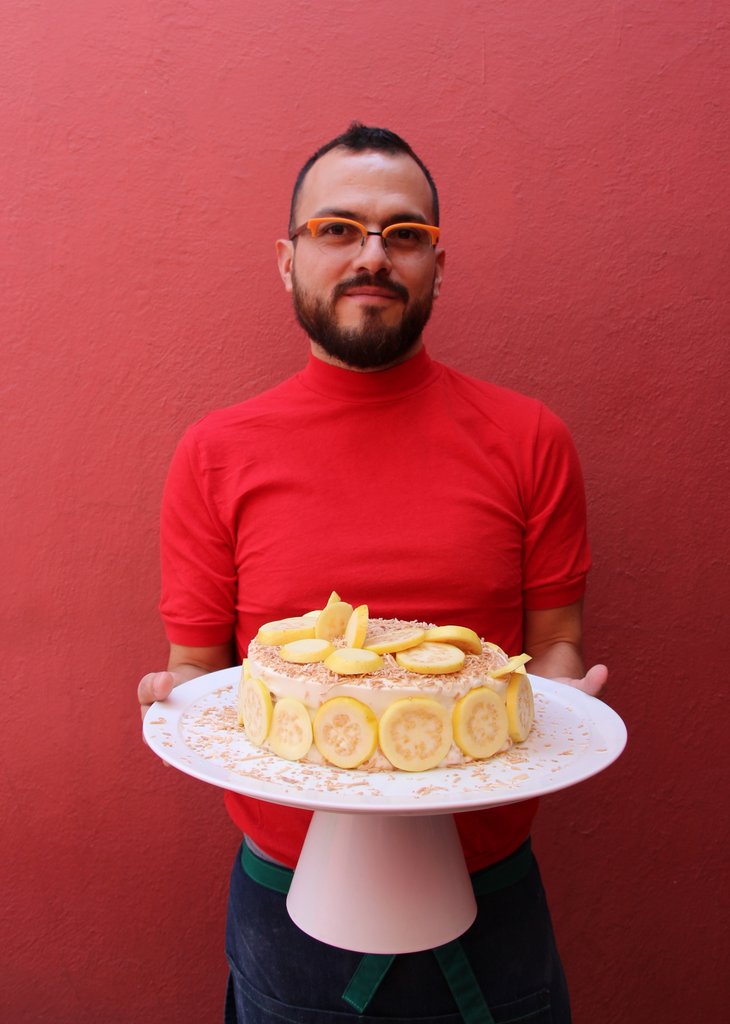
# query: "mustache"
{"type": "Point", "coordinates": [368, 280]}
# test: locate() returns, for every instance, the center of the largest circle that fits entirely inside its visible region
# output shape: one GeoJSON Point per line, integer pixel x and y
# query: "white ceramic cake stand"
{"type": "Point", "coordinates": [382, 883]}
{"type": "Point", "coordinates": [382, 870]}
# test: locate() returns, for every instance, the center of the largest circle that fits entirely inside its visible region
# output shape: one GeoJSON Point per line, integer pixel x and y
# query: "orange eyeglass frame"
{"type": "Point", "coordinates": [313, 223]}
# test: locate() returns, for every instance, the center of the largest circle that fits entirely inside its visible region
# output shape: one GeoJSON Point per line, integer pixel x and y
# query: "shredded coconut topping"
{"type": "Point", "coordinates": [472, 673]}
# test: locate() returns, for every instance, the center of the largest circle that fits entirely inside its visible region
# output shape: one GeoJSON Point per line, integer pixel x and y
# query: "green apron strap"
{"type": "Point", "coordinates": [271, 876]}
{"type": "Point", "coordinates": [462, 983]}
{"type": "Point", "coordinates": [366, 980]}
{"type": "Point", "coordinates": [505, 873]}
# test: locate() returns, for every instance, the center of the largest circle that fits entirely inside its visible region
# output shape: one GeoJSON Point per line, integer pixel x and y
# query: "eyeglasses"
{"type": "Point", "coordinates": [343, 236]}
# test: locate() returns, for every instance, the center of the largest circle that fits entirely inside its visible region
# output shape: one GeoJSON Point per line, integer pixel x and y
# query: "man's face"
{"type": "Point", "coordinates": [362, 308]}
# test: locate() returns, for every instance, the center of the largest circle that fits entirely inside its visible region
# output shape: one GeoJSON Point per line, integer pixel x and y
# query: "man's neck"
{"type": "Point", "coordinates": [319, 353]}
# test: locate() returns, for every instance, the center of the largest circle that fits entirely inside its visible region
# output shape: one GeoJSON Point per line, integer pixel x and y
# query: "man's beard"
{"type": "Point", "coordinates": [372, 345]}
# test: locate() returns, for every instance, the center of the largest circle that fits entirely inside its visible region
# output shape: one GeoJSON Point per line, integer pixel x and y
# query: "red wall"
{"type": "Point", "coordinates": [148, 153]}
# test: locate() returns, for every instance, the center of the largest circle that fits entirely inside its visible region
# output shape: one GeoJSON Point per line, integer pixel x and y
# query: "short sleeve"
{"type": "Point", "coordinates": [556, 552]}
{"type": "Point", "coordinates": [199, 581]}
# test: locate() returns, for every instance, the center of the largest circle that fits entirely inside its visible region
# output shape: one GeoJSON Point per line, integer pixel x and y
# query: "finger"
{"type": "Point", "coordinates": [595, 679]}
{"type": "Point", "coordinates": [153, 687]}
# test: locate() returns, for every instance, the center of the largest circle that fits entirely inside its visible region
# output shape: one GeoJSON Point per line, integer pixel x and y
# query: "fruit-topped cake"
{"type": "Point", "coordinates": [334, 686]}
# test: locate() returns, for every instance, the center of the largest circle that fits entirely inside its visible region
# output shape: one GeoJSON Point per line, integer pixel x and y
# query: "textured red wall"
{"type": "Point", "coordinates": [148, 152]}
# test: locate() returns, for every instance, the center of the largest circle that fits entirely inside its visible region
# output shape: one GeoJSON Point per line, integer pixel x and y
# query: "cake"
{"type": "Point", "coordinates": [337, 687]}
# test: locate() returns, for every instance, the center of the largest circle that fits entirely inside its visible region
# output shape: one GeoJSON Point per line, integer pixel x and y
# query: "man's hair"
{"type": "Point", "coordinates": [358, 138]}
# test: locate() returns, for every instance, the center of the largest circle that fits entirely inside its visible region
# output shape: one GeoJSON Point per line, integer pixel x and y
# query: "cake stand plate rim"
{"type": "Point", "coordinates": [576, 737]}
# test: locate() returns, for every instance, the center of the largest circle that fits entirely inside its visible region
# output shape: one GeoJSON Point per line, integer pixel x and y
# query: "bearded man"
{"type": "Point", "coordinates": [406, 484]}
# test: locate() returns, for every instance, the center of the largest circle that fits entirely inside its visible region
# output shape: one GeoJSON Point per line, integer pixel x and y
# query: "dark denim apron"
{"type": "Point", "coordinates": [280, 975]}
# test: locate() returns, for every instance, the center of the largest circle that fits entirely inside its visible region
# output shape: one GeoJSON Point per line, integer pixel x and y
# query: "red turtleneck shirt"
{"type": "Point", "coordinates": [418, 491]}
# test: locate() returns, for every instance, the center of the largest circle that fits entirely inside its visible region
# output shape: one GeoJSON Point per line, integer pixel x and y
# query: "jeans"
{"type": "Point", "coordinates": [280, 975]}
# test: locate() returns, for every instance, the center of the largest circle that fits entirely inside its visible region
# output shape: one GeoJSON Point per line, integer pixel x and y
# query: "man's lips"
{"type": "Point", "coordinates": [376, 293]}
{"type": "Point", "coordinates": [368, 290]}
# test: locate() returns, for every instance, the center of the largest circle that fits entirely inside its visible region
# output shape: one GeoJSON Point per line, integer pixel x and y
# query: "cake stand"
{"type": "Point", "coordinates": [381, 869]}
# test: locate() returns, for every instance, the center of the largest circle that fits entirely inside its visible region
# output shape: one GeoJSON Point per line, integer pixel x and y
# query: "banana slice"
{"type": "Point", "coordinates": [513, 664]}
{"type": "Point", "coordinates": [256, 709]}
{"type": "Point", "coordinates": [303, 652]}
{"type": "Point", "coordinates": [345, 732]}
{"type": "Point", "coordinates": [281, 631]}
{"type": "Point", "coordinates": [520, 706]}
{"type": "Point", "coordinates": [415, 733]}
{"type": "Point", "coordinates": [480, 723]}
{"type": "Point", "coordinates": [291, 729]}
{"type": "Point", "coordinates": [357, 626]}
{"type": "Point", "coordinates": [245, 674]}
{"type": "Point", "coordinates": [431, 658]}
{"type": "Point", "coordinates": [332, 620]}
{"type": "Point", "coordinates": [352, 661]}
{"type": "Point", "coordinates": [398, 639]}
{"type": "Point", "coordinates": [460, 636]}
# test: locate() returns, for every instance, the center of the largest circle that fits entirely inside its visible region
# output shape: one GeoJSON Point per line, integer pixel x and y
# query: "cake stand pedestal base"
{"type": "Point", "coordinates": [382, 883]}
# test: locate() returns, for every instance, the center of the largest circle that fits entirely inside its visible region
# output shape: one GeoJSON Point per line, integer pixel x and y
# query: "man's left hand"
{"type": "Point", "coordinates": [592, 682]}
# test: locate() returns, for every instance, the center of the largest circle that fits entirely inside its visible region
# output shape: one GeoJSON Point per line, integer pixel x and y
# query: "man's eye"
{"type": "Point", "coordinates": [409, 237]}
{"type": "Point", "coordinates": [334, 229]}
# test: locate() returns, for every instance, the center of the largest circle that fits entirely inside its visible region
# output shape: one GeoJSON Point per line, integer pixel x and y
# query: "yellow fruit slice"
{"type": "Point", "coordinates": [345, 732]}
{"type": "Point", "coordinates": [291, 729]}
{"type": "Point", "coordinates": [415, 733]}
{"type": "Point", "coordinates": [303, 652]}
{"type": "Point", "coordinates": [332, 620]}
{"type": "Point", "coordinates": [282, 631]}
{"type": "Point", "coordinates": [352, 661]}
{"type": "Point", "coordinates": [256, 709]}
{"type": "Point", "coordinates": [357, 626]}
{"type": "Point", "coordinates": [334, 598]}
{"type": "Point", "coordinates": [480, 723]}
{"type": "Point", "coordinates": [245, 674]}
{"type": "Point", "coordinates": [513, 664]}
{"type": "Point", "coordinates": [460, 636]}
{"type": "Point", "coordinates": [392, 640]}
{"type": "Point", "coordinates": [431, 659]}
{"type": "Point", "coordinates": [520, 706]}
{"type": "Point", "coordinates": [313, 614]}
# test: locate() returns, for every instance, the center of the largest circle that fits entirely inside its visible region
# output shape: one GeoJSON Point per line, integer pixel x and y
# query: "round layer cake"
{"type": "Point", "coordinates": [337, 687]}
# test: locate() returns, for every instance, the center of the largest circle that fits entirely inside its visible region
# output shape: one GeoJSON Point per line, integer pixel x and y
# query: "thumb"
{"type": "Point", "coordinates": [162, 685]}
{"type": "Point", "coordinates": [595, 679]}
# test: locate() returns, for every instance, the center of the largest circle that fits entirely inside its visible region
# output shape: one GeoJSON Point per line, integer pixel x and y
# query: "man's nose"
{"type": "Point", "coordinates": [372, 255]}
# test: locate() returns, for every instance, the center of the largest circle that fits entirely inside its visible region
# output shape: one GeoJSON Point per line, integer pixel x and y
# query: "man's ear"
{"type": "Point", "coordinates": [284, 260]}
{"type": "Point", "coordinates": [438, 273]}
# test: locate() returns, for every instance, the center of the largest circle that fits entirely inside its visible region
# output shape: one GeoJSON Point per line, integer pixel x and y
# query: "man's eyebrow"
{"type": "Point", "coordinates": [406, 217]}
{"type": "Point", "coordinates": [334, 211]}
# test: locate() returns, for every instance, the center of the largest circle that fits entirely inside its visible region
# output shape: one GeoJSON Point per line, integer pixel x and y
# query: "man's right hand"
{"type": "Point", "coordinates": [185, 663]}
{"type": "Point", "coordinates": [156, 686]}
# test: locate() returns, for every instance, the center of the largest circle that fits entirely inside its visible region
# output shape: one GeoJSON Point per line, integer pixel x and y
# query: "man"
{"type": "Point", "coordinates": [404, 484]}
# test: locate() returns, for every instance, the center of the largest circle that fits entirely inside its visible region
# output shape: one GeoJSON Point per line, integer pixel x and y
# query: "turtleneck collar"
{"type": "Point", "coordinates": [373, 386]}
